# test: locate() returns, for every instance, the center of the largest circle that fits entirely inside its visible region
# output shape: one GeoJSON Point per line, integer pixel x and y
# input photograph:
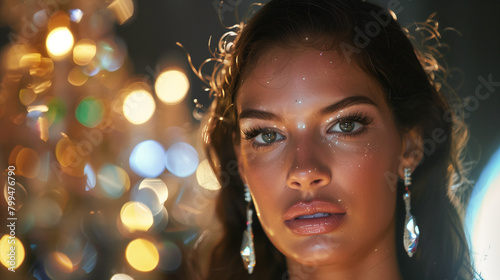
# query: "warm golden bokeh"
{"type": "Point", "coordinates": [138, 106]}
{"type": "Point", "coordinates": [59, 42]}
{"type": "Point", "coordinates": [142, 255]}
{"type": "Point", "coordinates": [136, 216]}
{"type": "Point", "coordinates": [8, 257]}
{"type": "Point", "coordinates": [172, 86]}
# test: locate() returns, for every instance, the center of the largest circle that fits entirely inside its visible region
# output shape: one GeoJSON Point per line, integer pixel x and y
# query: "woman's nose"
{"type": "Point", "coordinates": [309, 169]}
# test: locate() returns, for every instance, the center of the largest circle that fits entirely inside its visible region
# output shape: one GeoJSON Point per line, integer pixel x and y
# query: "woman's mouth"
{"type": "Point", "coordinates": [313, 217]}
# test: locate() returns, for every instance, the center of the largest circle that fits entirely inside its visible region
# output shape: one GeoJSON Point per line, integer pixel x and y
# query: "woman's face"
{"type": "Point", "coordinates": [320, 153]}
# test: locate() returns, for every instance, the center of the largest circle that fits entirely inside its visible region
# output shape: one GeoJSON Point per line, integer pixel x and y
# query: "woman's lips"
{"type": "Point", "coordinates": [313, 217]}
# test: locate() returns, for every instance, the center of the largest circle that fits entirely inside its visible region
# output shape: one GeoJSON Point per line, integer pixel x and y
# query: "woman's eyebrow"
{"type": "Point", "coordinates": [346, 102]}
{"type": "Point", "coordinates": [258, 114]}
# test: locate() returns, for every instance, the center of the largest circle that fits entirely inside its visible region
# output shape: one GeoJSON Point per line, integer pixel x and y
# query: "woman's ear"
{"type": "Point", "coordinates": [412, 152]}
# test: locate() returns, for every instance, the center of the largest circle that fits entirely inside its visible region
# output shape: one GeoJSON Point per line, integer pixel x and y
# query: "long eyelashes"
{"type": "Point", "coordinates": [360, 121]}
{"type": "Point", "coordinates": [249, 134]}
{"type": "Point", "coordinates": [360, 118]}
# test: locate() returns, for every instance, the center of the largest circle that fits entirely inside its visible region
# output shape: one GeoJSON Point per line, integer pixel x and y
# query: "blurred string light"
{"type": "Point", "coordinates": [181, 159]}
{"type": "Point", "coordinates": [90, 112]}
{"type": "Point", "coordinates": [482, 221]}
{"type": "Point", "coordinates": [170, 256]}
{"type": "Point", "coordinates": [81, 253]}
{"type": "Point", "coordinates": [51, 214]}
{"type": "Point", "coordinates": [28, 163]}
{"type": "Point", "coordinates": [58, 266]}
{"type": "Point", "coordinates": [142, 255]}
{"type": "Point", "coordinates": [121, 276]}
{"type": "Point", "coordinates": [88, 171]}
{"type": "Point", "coordinates": [110, 55]}
{"type": "Point", "coordinates": [77, 77]}
{"type": "Point", "coordinates": [57, 110]}
{"type": "Point", "coordinates": [138, 106]}
{"type": "Point", "coordinates": [69, 157]}
{"type": "Point", "coordinates": [172, 86]}
{"type": "Point", "coordinates": [157, 186]}
{"type": "Point", "coordinates": [75, 15]}
{"type": "Point", "coordinates": [206, 177]}
{"type": "Point", "coordinates": [136, 216]}
{"type": "Point", "coordinates": [148, 159]}
{"type": "Point", "coordinates": [7, 243]}
{"type": "Point", "coordinates": [122, 9]}
{"type": "Point", "coordinates": [84, 51]}
{"type": "Point", "coordinates": [59, 42]}
{"type": "Point", "coordinates": [113, 180]}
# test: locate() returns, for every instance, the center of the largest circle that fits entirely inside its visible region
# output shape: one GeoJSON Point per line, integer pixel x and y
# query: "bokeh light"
{"type": "Point", "coordinates": [70, 157]}
{"type": "Point", "coordinates": [84, 51]}
{"type": "Point", "coordinates": [206, 177]}
{"type": "Point", "coordinates": [170, 256]}
{"type": "Point", "coordinates": [8, 257]}
{"type": "Point", "coordinates": [76, 77]}
{"type": "Point", "coordinates": [59, 42]}
{"type": "Point", "coordinates": [57, 110]}
{"type": "Point", "coordinates": [142, 255]}
{"type": "Point", "coordinates": [147, 159]}
{"type": "Point", "coordinates": [136, 216]}
{"type": "Point", "coordinates": [181, 159]}
{"type": "Point", "coordinates": [26, 96]}
{"type": "Point", "coordinates": [89, 259]}
{"type": "Point", "coordinates": [138, 106]}
{"type": "Point", "coordinates": [121, 276]}
{"type": "Point", "coordinates": [51, 214]}
{"type": "Point", "coordinates": [149, 198]}
{"type": "Point", "coordinates": [172, 86]}
{"type": "Point", "coordinates": [482, 222]}
{"type": "Point", "coordinates": [157, 186]}
{"type": "Point", "coordinates": [88, 171]}
{"type": "Point", "coordinates": [58, 266]}
{"type": "Point", "coordinates": [161, 220]}
{"type": "Point", "coordinates": [28, 163]}
{"type": "Point", "coordinates": [75, 15]}
{"type": "Point", "coordinates": [110, 55]}
{"type": "Point", "coordinates": [90, 112]}
{"type": "Point", "coordinates": [113, 180]}
{"type": "Point", "coordinates": [122, 9]}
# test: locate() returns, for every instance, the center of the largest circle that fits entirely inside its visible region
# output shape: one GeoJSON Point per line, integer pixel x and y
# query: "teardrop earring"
{"type": "Point", "coordinates": [411, 231]}
{"type": "Point", "coordinates": [247, 249]}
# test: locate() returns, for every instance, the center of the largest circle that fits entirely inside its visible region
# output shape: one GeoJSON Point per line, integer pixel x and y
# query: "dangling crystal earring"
{"type": "Point", "coordinates": [411, 231]}
{"type": "Point", "coordinates": [247, 250]}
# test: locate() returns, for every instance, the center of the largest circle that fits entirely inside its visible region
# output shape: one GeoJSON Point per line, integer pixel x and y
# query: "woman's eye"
{"type": "Point", "coordinates": [346, 127]}
{"type": "Point", "coordinates": [268, 137]}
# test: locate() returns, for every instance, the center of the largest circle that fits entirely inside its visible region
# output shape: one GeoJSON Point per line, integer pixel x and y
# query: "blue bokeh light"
{"type": "Point", "coordinates": [181, 159]}
{"type": "Point", "coordinates": [147, 159]}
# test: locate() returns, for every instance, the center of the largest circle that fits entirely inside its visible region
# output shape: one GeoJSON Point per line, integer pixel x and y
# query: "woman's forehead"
{"type": "Point", "coordinates": [292, 71]}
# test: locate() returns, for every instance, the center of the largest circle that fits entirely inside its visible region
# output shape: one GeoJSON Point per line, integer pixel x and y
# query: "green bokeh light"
{"type": "Point", "coordinates": [90, 112]}
{"type": "Point", "coordinates": [57, 110]}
